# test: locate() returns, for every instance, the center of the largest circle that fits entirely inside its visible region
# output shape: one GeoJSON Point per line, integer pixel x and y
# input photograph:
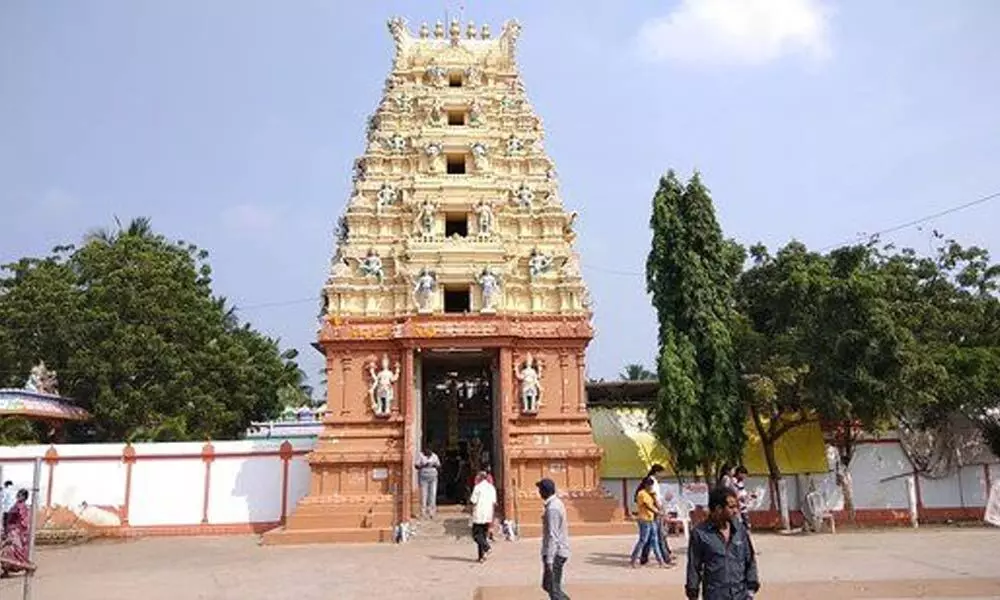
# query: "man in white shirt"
{"type": "Point", "coordinates": [483, 501]}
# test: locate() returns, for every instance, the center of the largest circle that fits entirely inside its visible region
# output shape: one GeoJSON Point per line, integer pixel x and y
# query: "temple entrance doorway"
{"type": "Point", "coordinates": [458, 412]}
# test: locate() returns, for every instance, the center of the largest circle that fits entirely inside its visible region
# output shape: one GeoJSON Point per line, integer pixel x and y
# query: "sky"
{"type": "Point", "coordinates": [233, 124]}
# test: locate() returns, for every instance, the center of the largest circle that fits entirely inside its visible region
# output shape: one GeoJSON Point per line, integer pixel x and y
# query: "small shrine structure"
{"type": "Point", "coordinates": [39, 400]}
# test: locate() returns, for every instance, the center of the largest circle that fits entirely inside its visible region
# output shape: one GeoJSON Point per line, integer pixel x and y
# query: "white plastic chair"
{"type": "Point", "coordinates": [683, 508]}
{"type": "Point", "coordinates": [819, 511]}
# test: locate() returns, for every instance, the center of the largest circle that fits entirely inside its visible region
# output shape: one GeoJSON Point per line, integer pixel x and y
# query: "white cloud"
{"type": "Point", "coordinates": [249, 218]}
{"type": "Point", "coordinates": [737, 32]}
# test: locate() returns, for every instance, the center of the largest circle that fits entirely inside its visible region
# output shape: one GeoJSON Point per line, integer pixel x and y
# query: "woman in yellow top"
{"type": "Point", "coordinates": [649, 532]}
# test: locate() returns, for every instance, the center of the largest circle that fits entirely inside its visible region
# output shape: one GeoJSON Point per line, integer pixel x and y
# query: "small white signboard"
{"type": "Point", "coordinates": [380, 474]}
{"type": "Point", "coordinates": [695, 492]}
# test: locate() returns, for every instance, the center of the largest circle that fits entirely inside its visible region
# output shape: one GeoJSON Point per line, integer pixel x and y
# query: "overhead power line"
{"type": "Point", "coordinates": [918, 221]}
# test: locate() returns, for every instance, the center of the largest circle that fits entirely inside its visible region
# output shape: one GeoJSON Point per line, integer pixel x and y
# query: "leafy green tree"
{"type": "Point", "coordinates": [690, 275]}
{"type": "Point", "coordinates": [948, 301]}
{"type": "Point", "coordinates": [776, 299]}
{"type": "Point", "coordinates": [636, 372]}
{"type": "Point", "coordinates": [858, 354]}
{"type": "Point", "coordinates": [129, 322]}
{"type": "Point", "coordinates": [820, 336]}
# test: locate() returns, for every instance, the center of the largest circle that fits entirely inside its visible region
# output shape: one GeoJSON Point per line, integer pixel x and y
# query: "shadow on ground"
{"type": "Point", "coordinates": [458, 559]}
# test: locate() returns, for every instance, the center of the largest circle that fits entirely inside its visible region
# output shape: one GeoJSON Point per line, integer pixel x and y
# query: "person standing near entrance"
{"type": "Point", "coordinates": [721, 561]}
{"type": "Point", "coordinates": [483, 500]}
{"type": "Point", "coordinates": [555, 540]}
{"type": "Point", "coordinates": [428, 465]}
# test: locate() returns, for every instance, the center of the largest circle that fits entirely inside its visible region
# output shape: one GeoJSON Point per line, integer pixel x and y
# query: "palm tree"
{"type": "Point", "coordinates": [636, 372]}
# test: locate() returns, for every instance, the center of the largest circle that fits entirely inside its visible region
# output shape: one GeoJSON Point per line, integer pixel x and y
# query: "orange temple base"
{"type": "Point", "coordinates": [363, 480]}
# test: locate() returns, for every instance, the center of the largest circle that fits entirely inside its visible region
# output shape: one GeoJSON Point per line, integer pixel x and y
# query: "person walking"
{"type": "Point", "coordinates": [647, 515]}
{"type": "Point", "coordinates": [428, 465]}
{"type": "Point", "coordinates": [655, 472]}
{"type": "Point", "coordinates": [555, 540]}
{"type": "Point", "coordinates": [743, 496]}
{"type": "Point", "coordinates": [483, 501]}
{"type": "Point", "coordinates": [721, 561]}
{"type": "Point", "coordinates": [15, 542]}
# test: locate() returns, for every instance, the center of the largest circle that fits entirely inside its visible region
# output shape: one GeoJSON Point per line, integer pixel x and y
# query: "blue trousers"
{"type": "Point", "coordinates": [649, 533]}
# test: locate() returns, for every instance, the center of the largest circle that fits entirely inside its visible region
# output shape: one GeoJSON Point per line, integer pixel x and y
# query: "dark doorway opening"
{"type": "Point", "coordinates": [456, 164]}
{"type": "Point", "coordinates": [457, 418]}
{"type": "Point", "coordinates": [456, 224]}
{"type": "Point", "coordinates": [457, 300]}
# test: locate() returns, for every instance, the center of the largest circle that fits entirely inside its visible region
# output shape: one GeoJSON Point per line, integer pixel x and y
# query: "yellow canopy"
{"type": "Point", "coordinates": [630, 449]}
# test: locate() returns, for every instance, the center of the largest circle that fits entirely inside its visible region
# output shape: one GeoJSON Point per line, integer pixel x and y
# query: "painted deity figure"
{"type": "Point", "coordinates": [479, 158]}
{"type": "Point", "coordinates": [489, 281]}
{"type": "Point", "coordinates": [475, 113]}
{"type": "Point", "coordinates": [485, 217]}
{"type": "Point", "coordinates": [473, 76]}
{"type": "Point", "coordinates": [404, 102]}
{"type": "Point", "coordinates": [423, 288]}
{"type": "Point", "coordinates": [530, 376]}
{"type": "Point", "coordinates": [434, 152]}
{"type": "Point", "coordinates": [382, 391]}
{"type": "Point", "coordinates": [435, 116]}
{"type": "Point", "coordinates": [538, 263]}
{"type": "Point", "coordinates": [425, 218]}
{"type": "Point", "coordinates": [386, 196]}
{"type": "Point", "coordinates": [371, 265]}
{"type": "Point", "coordinates": [395, 143]}
{"type": "Point", "coordinates": [515, 145]}
{"type": "Point", "coordinates": [524, 197]}
{"type": "Point", "coordinates": [436, 74]}
{"type": "Point", "coordinates": [509, 103]}
{"type": "Point", "coordinates": [42, 380]}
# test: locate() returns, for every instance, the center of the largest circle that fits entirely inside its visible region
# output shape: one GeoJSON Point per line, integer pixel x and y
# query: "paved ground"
{"type": "Point", "coordinates": [952, 563]}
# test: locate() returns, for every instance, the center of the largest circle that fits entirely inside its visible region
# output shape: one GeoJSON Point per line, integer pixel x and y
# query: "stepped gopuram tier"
{"type": "Point", "coordinates": [455, 315]}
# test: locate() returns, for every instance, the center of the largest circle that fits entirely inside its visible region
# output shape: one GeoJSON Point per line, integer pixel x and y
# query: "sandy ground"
{"type": "Point", "coordinates": [952, 563]}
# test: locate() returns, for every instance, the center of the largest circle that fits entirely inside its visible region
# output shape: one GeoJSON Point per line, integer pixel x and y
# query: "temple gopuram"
{"type": "Point", "coordinates": [455, 314]}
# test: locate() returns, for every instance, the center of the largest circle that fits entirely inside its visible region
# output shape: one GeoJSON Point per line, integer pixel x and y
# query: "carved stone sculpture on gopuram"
{"type": "Point", "coordinates": [454, 241]}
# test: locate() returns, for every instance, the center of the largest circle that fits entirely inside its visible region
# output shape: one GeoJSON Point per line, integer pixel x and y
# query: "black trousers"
{"type": "Point", "coordinates": [664, 546]}
{"type": "Point", "coordinates": [479, 533]}
{"type": "Point", "coordinates": [552, 579]}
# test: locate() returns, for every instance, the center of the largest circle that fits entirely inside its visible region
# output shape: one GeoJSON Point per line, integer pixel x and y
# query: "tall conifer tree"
{"type": "Point", "coordinates": [690, 273]}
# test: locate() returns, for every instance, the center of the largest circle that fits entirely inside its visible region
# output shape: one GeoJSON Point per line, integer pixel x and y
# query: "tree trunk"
{"type": "Point", "coordinates": [709, 472]}
{"type": "Point", "coordinates": [847, 487]}
{"type": "Point", "coordinates": [845, 449]}
{"type": "Point", "coordinates": [774, 475]}
{"type": "Point", "coordinates": [773, 471]}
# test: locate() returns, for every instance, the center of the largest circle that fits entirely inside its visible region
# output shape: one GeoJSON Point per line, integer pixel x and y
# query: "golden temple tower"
{"type": "Point", "coordinates": [455, 255]}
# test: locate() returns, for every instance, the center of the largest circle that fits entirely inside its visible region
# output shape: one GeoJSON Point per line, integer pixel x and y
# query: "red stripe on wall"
{"type": "Point", "coordinates": [147, 457]}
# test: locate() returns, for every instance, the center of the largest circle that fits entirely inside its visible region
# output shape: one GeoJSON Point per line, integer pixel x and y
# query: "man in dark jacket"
{"type": "Point", "coordinates": [721, 561]}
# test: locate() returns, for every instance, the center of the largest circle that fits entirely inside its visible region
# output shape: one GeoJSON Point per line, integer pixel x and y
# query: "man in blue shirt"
{"type": "Point", "coordinates": [721, 561]}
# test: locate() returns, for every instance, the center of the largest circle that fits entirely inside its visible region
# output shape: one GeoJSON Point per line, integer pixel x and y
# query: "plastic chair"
{"type": "Point", "coordinates": [819, 512]}
{"type": "Point", "coordinates": [683, 508]}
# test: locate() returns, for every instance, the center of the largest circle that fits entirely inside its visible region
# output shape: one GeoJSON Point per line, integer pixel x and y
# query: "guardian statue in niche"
{"type": "Point", "coordinates": [382, 390]}
{"type": "Point", "coordinates": [490, 282]}
{"type": "Point", "coordinates": [423, 290]}
{"type": "Point", "coordinates": [484, 210]}
{"type": "Point", "coordinates": [530, 376]}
